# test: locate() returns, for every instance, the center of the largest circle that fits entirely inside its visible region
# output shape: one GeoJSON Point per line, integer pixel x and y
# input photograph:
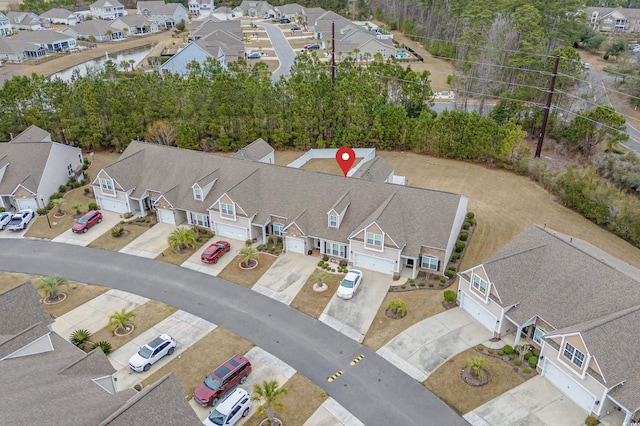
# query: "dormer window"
{"type": "Point", "coordinates": [226, 209]}
{"type": "Point", "coordinates": [333, 221]}
{"type": "Point", "coordinates": [374, 239]}
{"type": "Point", "coordinates": [574, 355]}
{"type": "Point", "coordinates": [106, 184]}
{"type": "Point", "coordinates": [480, 284]}
{"type": "Point", "coordinates": [197, 194]}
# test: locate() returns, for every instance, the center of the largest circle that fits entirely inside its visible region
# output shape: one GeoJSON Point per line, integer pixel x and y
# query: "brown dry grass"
{"type": "Point", "coordinates": [107, 241]}
{"type": "Point", "coordinates": [299, 43]}
{"type": "Point", "coordinates": [328, 165]}
{"type": "Point", "coordinates": [201, 358]}
{"type": "Point", "coordinates": [247, 278]}
{"type": "Point", "coordinates": [447, 384]}
{"type": "Point", "coordinates": [282, 158]}
{"type": "Point", "coordinates": [313, 303]}
{"type": "Point", "coordinates": [147, 315]}
{"type": "Point", "coordinates": [169, 256]}
{"type": "Point", "coordinates": [302, 399]}
{"type": "Point", "coordinates": [421, 304]}
{"type": "Point", "coordinates": [77, 294]}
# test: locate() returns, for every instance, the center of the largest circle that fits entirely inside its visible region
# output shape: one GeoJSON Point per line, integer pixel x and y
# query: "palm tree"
{"type": "Point", "coordinates": [51, 286]}
{"type": "Point", "coordinates": [318, 276]}
{"type": "Point", "coordinates": [247, 253]}
{"type": "Point", "coordinates": [477, 366]}
{"type": "Point", "coordinates": [58, 202]}
{"type": "Point", "coordinates": [182, 238]}
{"type": "Point", "coordinates": [124, 65]}
{"type": "Point", "coordinates": [80, 338]}
{"type": "Point", "coordinates": [77, 207]}
{"type": "Point", "coordinates": [269, 393]}
{"type": "Point", "coordinates": [119, 319]}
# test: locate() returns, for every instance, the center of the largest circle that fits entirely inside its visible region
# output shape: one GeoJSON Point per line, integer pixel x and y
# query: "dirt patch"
{"type": "Point", "coordinates": [201, 358]}
{"type": "Point", "coordinates": [446, 383]}
{"type": "Point", "coordinates": [107, 241]}
{"type": "Point", "coordinates": [147, 315]}
{"type": "Point", "coordinates": [247, 278]}
{"type": "Point", "coordinates": [303, 398]}
{"type": "Point", "coordinates": [312, 302]}
{"type": "Point", "coordinates": [282, 158]}
{"type": "Point", "coordinates": [420, 305]}
{"type": "Point", "coordinates": [328, 165]}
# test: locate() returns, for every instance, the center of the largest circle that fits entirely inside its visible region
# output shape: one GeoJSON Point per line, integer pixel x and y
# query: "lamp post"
{"type": "Point", "coordinates": [46, 214]}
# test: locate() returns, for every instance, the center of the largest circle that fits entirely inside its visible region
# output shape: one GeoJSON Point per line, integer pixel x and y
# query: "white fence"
{"type": "Point", "coordinates": [366, 154]}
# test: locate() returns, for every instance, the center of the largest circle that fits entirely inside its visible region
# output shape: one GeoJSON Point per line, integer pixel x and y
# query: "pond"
{"type": "Point", "coordinates": [135, 55]}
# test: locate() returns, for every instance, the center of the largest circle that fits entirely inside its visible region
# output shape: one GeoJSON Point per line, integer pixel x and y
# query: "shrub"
{"type": "Point", "coordinates": [490, 350]}
{"type": "Point", "coordinates": [85, 166]}
{"type": "Point", "coordinates": [270, 241]}
{"type": "Point", "coordinates": [527, 355]}
{"type": "Point", "coordinates": [117, 231]}
{"type": "Point", "coordinates": [511, 357]}
{"type": "Point", "coordinates": [591, 421]}
{"type": "Point", "coordinates": [451, 268]}
{"type": "Point", "coordinates": [441, 284]}
{"type": "Point", "coordinates": [412, 283]}
{"type": "Point", "coordinates": [320, 263]}
{"type": "Point", "coordinates": [536, 352]}
{"type": "Point", "coordinates": [138, 387]}
{"type": "Point", "coordinates": [470, 215]}
{"type": "Point", "coordinates": [62, 188]}
{"type": "Point", "coordinates": [500, 352]}
{"type": "Point", "coordinates": [325, 257]}
{"type": "Point", "coordinates": [517, 362]}
{"type": "Point", "coordinates": [55, 196]}
{"type": "Point", "coordinates": [40, 212]}
{"type": "Point", "coordinates": [103, 345]}
{"type": "Point", "coordinates": [533, 361]}
{"type": "Point", "coordinates": [459, 246]}
{"type": "Point", "coordinates": [479, 347]}
{"type": "Point", "coordinates": [86, 190]}
{"type": "Point", "coordinates": [83, 182]}
{"type": "Point", "coordinates": [526, 370]}
{"type": "Point", "coordinates": [508, 349]}
{"type": "Point", "coordinates": [93, 206]}
{"type": "Point", "coordinates": [464, 236]}
{"type": "Point", "coordinates": [421, 284]}
{"type": "Point", "coordinates": [442, 281]}
{"type": "Point", "coordinates": [455, 257]}
{"type": "Point", "coordinates": [403, 286]}
{"type": "Point", "coordinates": [333, 270]}
{"type": "Point", "coordinates": [466, 224]}
{"type": "Point", "coordinates": [431, 284]}
{"type": "Point", "coordinates": [50, 205]}
{"type": "Point", "coordinates": [343, 263]}
{"type": "Point", "coordinates": [450, 296]}
{"type": "Point", "coordinates": [398, 306]}
{"type": "Point", "coordinates": [449, 273]}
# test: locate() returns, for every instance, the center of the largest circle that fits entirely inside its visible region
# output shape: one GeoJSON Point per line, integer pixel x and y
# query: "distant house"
{"type": "Point", "coordinates": [255, 9]}
{"type": "Point", "coordinates": [51, 41]}
{"type": "Point", "coordinates": [169, 15]}
{"type": "Point", "coordinates": [107, 9]}
{"type": "Point", "coordinates": [60, 16]}
{"type": "Point", "coordinates": [134, 24]}
{"type": "Point", "coordinates": [290, 11]}
{"type": "Point", "coordinates": [223, 13]}
{"type": "Point", "coordinates": [198, 30]}
{"type": "Point", "coordinates": [95, 30]}
{"type": "Point", "coordinates": [37, 364]}
{"type": "Point", "coordinates": [613, 20]}
{"type": "Point", "coordinates": [24, 21]}
{"type": "Point", "coordinates": [258, 150]}
{"type": "Point", "coordinates": [16, 51]}
{"type": "Point", "coordinates": [5, 25]}
{"type": "Point", "coordinates": [145, 7]}
{"type": "Point", "coordinates": [196, 7]}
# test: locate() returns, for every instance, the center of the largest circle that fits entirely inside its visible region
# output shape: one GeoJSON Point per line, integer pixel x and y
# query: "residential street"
{"type": "Point", "coordinates": [373, 390]}
{"type": "Point", "coordinates": [283, 49]}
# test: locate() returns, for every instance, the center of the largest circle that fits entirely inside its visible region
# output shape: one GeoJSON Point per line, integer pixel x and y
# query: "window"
{"type": "Point", "coordinates": [333, 221]}
{"type": "Point", "coordinates": [277, 229]}
{"type": "Point", "coordinates": [226, 209]}
{"type": "Point", "coordinates": [573, 355]}
{"type": "Point", "coordinates": [479, 284]}
{"type": "Point", "coordinates": [106, 184]}
{"type": "Point", "coordinates": [429, 262]}
{"type": "Point", "coordinates": [80, 158]}
{"type": "Point", "coordinates": [537, 335]}
{"type": "Point", "coordinates": [197, 194]}
{"type": "Point", "coordinates": [374, 239]}
{"type": "Point", "coordinates": [70, 169]}
{"type": "Point", "coordinates": [335, 249]}
{"type": "Point", "coordinates": [200, 220]}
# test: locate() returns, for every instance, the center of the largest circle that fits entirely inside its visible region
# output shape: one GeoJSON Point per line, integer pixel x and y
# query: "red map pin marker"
{"type": "Point", "coordinates": [345, 158]}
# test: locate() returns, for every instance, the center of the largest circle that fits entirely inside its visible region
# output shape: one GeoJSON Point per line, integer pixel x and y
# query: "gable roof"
{"type": "Point", "coordinates": [377, 170]}
{"type": "Point", "coordinates": [26, 163]}
{"type": "Point", "coordinates": [259, 189]}
{"type": "Point", "coordinates": [202, 29]}
{"type": "Point", "coordinates": [217, 40]}
{"type": "Point", "coordinates": [42, 37]}
{"type": "Point", "coordinates": [32, 133]}
{"type": "Point", "coordinates": [57, 13]}
{"type": "Point", "coordinates": [11, 45]}
{"type": "Point", "coordinates": [105, 3]}
{"type": "Point", "coordinates": [94, 27]}
{"type": "Point", "coordinates": [541, 270]}
{"type": "Point", "coordinates": [255, 151]}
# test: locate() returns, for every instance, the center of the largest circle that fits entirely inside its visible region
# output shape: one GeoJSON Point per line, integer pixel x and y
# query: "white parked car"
{"type": "Point", "coordinates": [232, 409]}
{"type": "Point", "coordinates": [20, 220]}
{"type": "Point", "coordinates": [152, 352]}
{"type": "Point", "coordinates": [350, 284]}
{"type": "Point", "coordinates": [5, 217]}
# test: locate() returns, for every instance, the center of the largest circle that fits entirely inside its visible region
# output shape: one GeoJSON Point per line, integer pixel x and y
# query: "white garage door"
{"type": "Point", "coordinates": [112, 205]}
{"type": "Point", "coordinates": [166, 216]}
{"type": "Point", "coordinates": [373, 263]}
{"type": "Point", "coordinates": [568, 386]}
{"type": "Point", "coordinates": [481, 315]}
{"type": "Point", "coordinates": [295, 245]}
{"type": "Point", "coordinates": [228, 231]}
{"type": "Point", "coordinates": [26, 203]}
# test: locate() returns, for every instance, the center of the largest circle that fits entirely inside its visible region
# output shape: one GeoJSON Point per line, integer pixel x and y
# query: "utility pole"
{"type": "Point", "coordinates": [547, 108]}
{"type": "Point", "coordinates": [333, 52]}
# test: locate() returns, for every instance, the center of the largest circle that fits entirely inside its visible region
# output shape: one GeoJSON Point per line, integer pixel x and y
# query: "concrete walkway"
{"type": "Point", "coordinates": [425, 346]}
{"type": "Point", "coordinates": [285, 278]}
{"type": "Point", "coordinates": [535, 402]}
{"type": "Point", "coordinates": [330, 413]}
{"type": "Point", "coordinates": [151, 243]}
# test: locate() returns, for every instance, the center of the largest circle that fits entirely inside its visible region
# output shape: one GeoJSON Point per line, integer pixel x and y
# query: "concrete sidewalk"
{"type": "Point", "coordinates": [330, 413]}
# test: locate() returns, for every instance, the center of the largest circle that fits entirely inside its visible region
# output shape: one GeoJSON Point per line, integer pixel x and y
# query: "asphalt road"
{"type": "Point", "coordinates": [283, 50]}
{"type": "Point", "coordinates": [373, 390]}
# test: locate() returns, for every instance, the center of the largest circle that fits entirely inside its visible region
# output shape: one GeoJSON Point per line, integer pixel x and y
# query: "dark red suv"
{"type": "Point", "coordinates": [214, 251]}
{"type": "Point", "coordinates": [87, 221]}
{"type": "Point", "coordinates": [221, 382]}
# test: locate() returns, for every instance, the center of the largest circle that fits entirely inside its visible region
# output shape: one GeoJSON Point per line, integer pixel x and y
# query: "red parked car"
{"type": "Point", "coordinates": [215, 251]}
{"type": "Point", "coordinates": [87, 221]}
{"type": "Point", "coordinates": [221, 382]}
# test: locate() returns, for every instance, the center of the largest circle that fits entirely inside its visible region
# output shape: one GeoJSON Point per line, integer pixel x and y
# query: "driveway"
{"type": "Point", "coordinates": [286, 277]}
{"type": "Point", "coordinates": [94, 315]}
{"type": "Point", "coordinates": [214, 269]}
{"type": "Point", "coordinates": [425, 346]}
{"type": "Point", "coordinates": [353, 317]}
{"type": "Point", "coordinates": [312, 348]}
{"type": "Point", "coordinates": [535, 402]}
{"type": "Point", "coordinates": [151, 243]}
{"type": "Point", "coordinates": [109, 220]}
{"type": "Point", "coordinates": [5, 233]}
{"type": "Point", "coordinates": [264, 366]}
{"type": "Point", "coordinates": [283, 50]}
{"type": "Point", "coordinates": [182, 326]}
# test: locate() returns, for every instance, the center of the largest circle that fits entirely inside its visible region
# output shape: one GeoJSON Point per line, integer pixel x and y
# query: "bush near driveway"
{"type": "Point", "coordinates": [312, 302]}
{"type": "Point", "coordinates": [247, 278]}
{"type": "Point", "coordinates": [107, 241]}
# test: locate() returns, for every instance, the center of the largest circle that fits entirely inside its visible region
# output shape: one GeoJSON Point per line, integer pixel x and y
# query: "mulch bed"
{"type": "Point", "coordinates": [449, 305]}
{"type": "Point", "coordinates": [505, 358]}
{"type": "Point", "coordinates": [394, 314]}
{"type": "Point", "coordinates": [469, 378]}
{"type": "Point", "coordinates": [250, 264]}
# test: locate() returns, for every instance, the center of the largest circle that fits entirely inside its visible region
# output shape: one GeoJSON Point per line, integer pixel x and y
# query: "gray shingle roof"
{"type": "Point", "coordinates": [57, 13]}
{"type": "Point", "coordinates": [377, 170]}
{"type": "Point", "coordinates": [42, 37]}
{"type": "Point", "coordinates": [26, 164]}
{"type": "Point", "coordinates": [32, 134]}
{"type": "Point", "coordinates": [260, 190]}
{"type": "Point", "coordinates": [199, 30]}
{"type": "Point", "coordinates": [255, 151]}
{"type": "Point", "coordinates": [95, 27]}
{"type": "Point", "coordinates": [103, 3]}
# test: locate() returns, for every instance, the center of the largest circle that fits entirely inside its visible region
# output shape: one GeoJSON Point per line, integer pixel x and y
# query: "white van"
{"type": "Point", "coordinates": [230, 410]}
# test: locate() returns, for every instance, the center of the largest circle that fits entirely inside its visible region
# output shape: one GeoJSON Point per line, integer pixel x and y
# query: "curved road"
{"type": "Point", "coordinates": [283, 49]}
{"type": "Point", "coordinates": [373, 390]}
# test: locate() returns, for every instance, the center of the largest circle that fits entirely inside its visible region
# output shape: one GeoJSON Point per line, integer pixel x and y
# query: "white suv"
{"type": "Point", "coordinates": [20, 220]}
{"type": "Point", "coordinates": [230, 410]}
{"type": "Point", "coordinates": [152, 352]}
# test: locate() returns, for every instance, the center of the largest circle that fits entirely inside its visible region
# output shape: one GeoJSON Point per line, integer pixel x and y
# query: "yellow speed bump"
{"type": "Point", "coordinates": [357, 360]}
{"type": "Point", "coordinates": [335, 376]}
